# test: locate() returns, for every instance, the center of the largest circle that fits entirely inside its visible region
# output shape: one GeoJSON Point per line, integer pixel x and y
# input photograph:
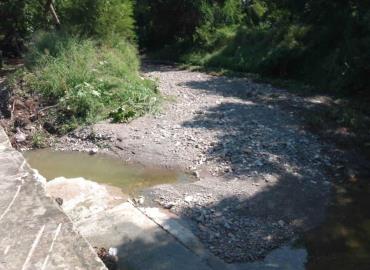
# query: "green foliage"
{"type": "Point", "coordinates": [257, 49]}
{"type": "Point", "coordinates": [86, 81]}
{"type": "Point", "coordinates": [18, 19]}
{"type": "Point", "coordinates": [39, 139]}
{"type": "Point", "coordinates": [122, 114]}
{"type": "Point", "coordinates": [324, 43]}
{"type": "Point", "coordinates": [102, 19]}
{"type": "Point", "coordinates": [170, 22]}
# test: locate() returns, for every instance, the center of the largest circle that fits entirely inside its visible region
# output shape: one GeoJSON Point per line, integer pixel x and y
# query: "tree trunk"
{"type": "Point", "coordinates": [49, 7]}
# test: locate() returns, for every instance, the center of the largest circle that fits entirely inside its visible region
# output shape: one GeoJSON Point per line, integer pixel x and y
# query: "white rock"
{"type": "Point", "coordinates": [281, 223]}
{"type": "Point", "coordinates": [83, 198]}
{"type": "Point", "coordinates": [20, 137]}
{"type": "Point", "coordinates": [113, 251]}
{"type": "Point", "coordinates": [189, 198]}
{"type": "Point", "coordinates": [140, 200]}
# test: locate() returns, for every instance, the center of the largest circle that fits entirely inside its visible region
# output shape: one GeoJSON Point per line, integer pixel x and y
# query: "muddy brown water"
{"type": "Point", "coordinates": [342, 242]}
{"type": "Point", "coordinates": [102, 169]}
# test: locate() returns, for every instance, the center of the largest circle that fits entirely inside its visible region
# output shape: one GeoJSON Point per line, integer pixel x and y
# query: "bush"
{"type": "Point", "coordinates": [170, 22]}
{"type": "Point", "coordinates": [322, 43]}
{"type": "Point", "coordinates": [18, 19]}
{"type": "Point", "coordinates": [101, 19]}
{"type": "Point", "coordinates": [86, 81]}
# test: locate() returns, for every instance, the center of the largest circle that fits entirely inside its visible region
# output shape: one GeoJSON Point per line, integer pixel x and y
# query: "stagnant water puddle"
{"type": "Point", "coordinates": [102, 169]}
{"type": "Point", "coordinates": [342, 242]}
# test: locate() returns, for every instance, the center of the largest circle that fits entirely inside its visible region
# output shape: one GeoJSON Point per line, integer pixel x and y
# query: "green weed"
{"type": "Point", "coordinates": [39, 139]}
{"type": "Point", "coordinates": [87, 81]}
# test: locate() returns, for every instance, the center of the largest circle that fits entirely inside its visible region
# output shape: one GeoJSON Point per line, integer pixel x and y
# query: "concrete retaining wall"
{"type": "Point", "coordinates": [34, 231]}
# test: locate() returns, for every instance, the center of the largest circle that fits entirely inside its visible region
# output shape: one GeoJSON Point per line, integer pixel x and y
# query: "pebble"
{"type": "Point", "coordinates": [223, 134]}
{"type": "Point", "coordinates": [113, 251]}
{"type": "Point", "coordinates": [93, 151]}
{"type": "Point", "coordinates": [189, 199]}
{"type": "Point", "coordinates": [20, 137]}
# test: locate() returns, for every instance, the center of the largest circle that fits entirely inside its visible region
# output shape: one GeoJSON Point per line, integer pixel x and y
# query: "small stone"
{"type": "Point", "coordinates": [113, 251]}
{"type": "Point", "coordinates": [93, 151]}
{"type": "Point", "coordinates": [270, 178]}
{"type": "Point", "coordinates": [196, 174]}
{"type": "Point", "coordinates": [189, 198]}
{"type": "Point", "coordinates": [200, 218]}
{"type": "Point", "coordinates": [231, 235]}
{"type": "Point", "coordinates": [202, 227]}
{"type": "Point", "coordinates": [258, 163]}
{"type": "Point", "coordinates": [168, 205]}
{"type": "Point", "coordinates": [29, 127]}
{"type": "Point", "coordinates": [59, 201]}
{"type": "Point", "coordinates": [281, 223]}
{"type": "Point", "coordinates": [20, 137]}
{"type": "Point", "coordinates": [218, 214]}
{"type": "Point", "coordinates": [140, 200]}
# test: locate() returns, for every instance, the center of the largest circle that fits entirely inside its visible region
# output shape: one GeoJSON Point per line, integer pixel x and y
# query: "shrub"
{"type": "Point", "coordinates": [101, 19]}
{"type": "Point", "coordinates": [86, 81]}
{"type": "Point", "coordinates": [169, 22]}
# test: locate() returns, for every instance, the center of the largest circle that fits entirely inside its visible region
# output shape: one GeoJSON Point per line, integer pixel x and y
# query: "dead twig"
{"type": "Point", "coordinates": [12, 110]}
{"type": "Point", "coordinates": [43, 109]}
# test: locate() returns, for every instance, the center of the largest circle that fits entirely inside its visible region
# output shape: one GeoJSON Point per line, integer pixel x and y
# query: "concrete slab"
{"type": "Point", "coordinates": [34, 232]}
{"type": "Point", "coordinates": [172, 224]}
{"type": "Point", "coordinates": [146, 239]}
{"type": "Point", "coordinates": [141, 243]}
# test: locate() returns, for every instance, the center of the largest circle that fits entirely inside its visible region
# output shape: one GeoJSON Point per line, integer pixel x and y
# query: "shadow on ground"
{"type": "Point", "coordinates": [341, 242]}
{"type": "Point", "coordinates": [342, 120]}
{"type": "Point", "coordinates": [264, 139]}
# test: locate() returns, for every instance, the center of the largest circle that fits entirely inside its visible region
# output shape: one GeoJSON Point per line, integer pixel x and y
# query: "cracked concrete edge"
{"type": "Point", "coordinates": [4, 141]}
{"type": "Point", "coordinates": [169, 222]}
{"type": "Point", "coordinates": [5, 145]}
{"type": "Point", "coordinates": [75, 230]}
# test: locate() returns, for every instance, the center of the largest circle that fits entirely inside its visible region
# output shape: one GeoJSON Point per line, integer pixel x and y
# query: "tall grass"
{"type": "Point", "coordinates": [87, 81]}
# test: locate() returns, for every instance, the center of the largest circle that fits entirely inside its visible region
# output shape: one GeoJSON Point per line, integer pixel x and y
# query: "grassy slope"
{"type": "Point", "coordinates": [86, 81]}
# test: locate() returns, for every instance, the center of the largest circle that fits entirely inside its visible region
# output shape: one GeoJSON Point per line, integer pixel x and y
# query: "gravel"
{"type": "Point", "coordinates": [261, 175]}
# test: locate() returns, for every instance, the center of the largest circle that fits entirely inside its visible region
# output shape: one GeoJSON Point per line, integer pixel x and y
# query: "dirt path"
{"type": "Point", "coordinates": [262, 176]}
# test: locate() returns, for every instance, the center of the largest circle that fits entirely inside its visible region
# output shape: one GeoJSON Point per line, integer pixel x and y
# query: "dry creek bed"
{"type": "Point", "coordinates": [262, 176]}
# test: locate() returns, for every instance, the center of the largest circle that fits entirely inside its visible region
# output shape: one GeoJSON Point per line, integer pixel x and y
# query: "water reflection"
{"type": "Point", "coordinates": [102, 169]}
{"type": "Point", "coordinates": [342, 242]}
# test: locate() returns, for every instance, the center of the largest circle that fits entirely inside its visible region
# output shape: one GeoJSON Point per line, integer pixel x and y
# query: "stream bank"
{"type": "Point", "coordinates": [264, 179]}
{"type": "Point", "coordinates": [260, 171]}
{"type": "Point", "coordinates": [34, 232]}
